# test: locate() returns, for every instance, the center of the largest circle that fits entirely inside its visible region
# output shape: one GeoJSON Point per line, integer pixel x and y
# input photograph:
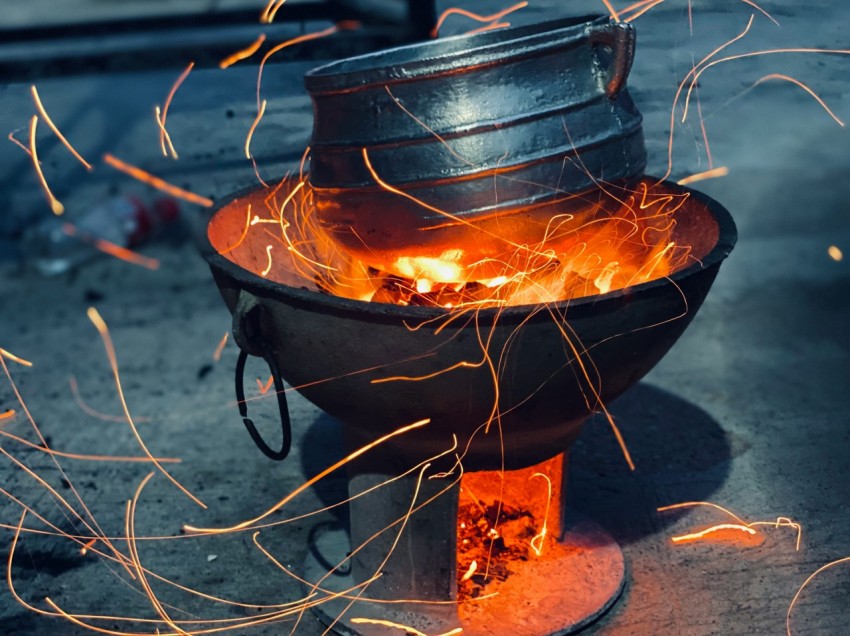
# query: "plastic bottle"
{"type": "Point", "coordinates": [57, 245]}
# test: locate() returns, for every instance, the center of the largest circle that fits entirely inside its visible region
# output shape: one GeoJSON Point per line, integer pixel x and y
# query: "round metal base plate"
{"type": "Point", "coordinates": [570, 585]}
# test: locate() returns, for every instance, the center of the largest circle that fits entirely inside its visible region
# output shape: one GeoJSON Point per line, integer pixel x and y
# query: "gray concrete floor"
{"type": "Point", "coordinates": [749, 410]}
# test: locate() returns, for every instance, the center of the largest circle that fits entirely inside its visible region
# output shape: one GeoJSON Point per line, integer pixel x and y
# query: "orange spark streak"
{"type": "Point", "coordinates": [284, 225]}
{"type": "Point", "coordinates": [829, 565]}
{"type": "Point", "coordinates": [11, 137]}
{"type": "Point", "coordinates": [762, 11]}
{"type": "Point", "coordinates": [55, 205]}
{"type": "Point", "coordinates": [407, 629]}
{"type": "Point", "coordinates": [695, 78]}
{"type": "Point", "coordinates": [696, 536]}
{"type": "Point", "coordinates": [264, 388]}
{"type": "Point", "coordinates": [783, 522]}
{"type": "Point", "coordinates": [243, 54]}
{"type": "Point", "coordinates": [64, 503]}
{"type": "Point", "coordinates": [269, 13]}
{"type": "Point", "coordinates": [7, 415]}
{"type": "Point", "coordinates": [693, 73]}
{"type": "Point", "coordinates": [312, 480]}
{"type": "Point", "coordinates": [722, 171]}
{"type": "Point", "coordinates": [41, 111]}
{"type": "Point", "coordinates": [268, 268]}
{"type": "Point", "coordinates": [490, 27]}
{"type": "Point", "coordinates": [614, 15]}
{"type": "Point", "coordinates": [88, 410]}
{"type": "Point", "coordinates": [704, 133]}
{"type": "Point", "coordinates": [253, 127]}
{"type": "Point", "coordinates": [457, 219]}
{"type": "Point", "coordinates": [797, 82]}
{"type": "Point", "coordinates": [537, 540]}
{"type": "Point", "coordinates": [475, 16]}
{"type": "Point", "coordinates": [11, 356]}
{"type": "Point", "coordinates": [640, 8]}
{"type": "Point", "coordinates": [472, 567]}
{"type": "Point", "coordinates": [296, 606]}
{"type": "Point", "coordinates": [91, 527]}
{"type": "Point", "coordinates": [167, 105]}
{"type": "Point", "coordinates": [244, 233]}
{"type": "Point", "coordinates": [577, 357]}
{"type": "Point", "coordinates": [296, 40]}
{"type": "Point", "coordinates": [835, 253]}
{"type": "Point", "coordinates": [163, 133]}
{"type": "Point", "coordinates": [102, 329]}
{"type": "Point", "coordinates": [130, 531]}
{"type": "Point", "coordinates": [407, 378]}
{"type": "Point", "coordinates": [220, 347]}
{"type": "Point", "coordinates": [79, 539]}
{"type": "Point", "coordinates": [379, 569]}
{"type": "Point", "coordinates": [691, 504]}
{"type": "Point", "coordinates": [10, 582]}
{"type": "Point", "coordinates": [317, 586]}
{"type": "Point", "coordinates": [90, 458]}
{"type": "Point", "coordinates": [112, 249]}
{"type": "Point", "coordinates": [740, 525]}
{"type": "Point", "coordinates": [156, 182]}
{"type": "Point", "coordinates": [85, 549]}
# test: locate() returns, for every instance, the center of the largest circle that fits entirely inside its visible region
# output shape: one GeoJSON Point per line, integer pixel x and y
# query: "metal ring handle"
{"type": "Point", "coordinates": [285, 425]}
{"type": "Point", "coordinates": [620, 36]}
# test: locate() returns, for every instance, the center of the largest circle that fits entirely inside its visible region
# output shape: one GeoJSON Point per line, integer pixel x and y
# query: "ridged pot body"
{"type": "Point", "coordinates": [490, 129]}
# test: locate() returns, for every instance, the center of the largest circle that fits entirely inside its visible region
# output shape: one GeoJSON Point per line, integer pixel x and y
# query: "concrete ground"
{"type": "Point", "coordinates": [749, 410]}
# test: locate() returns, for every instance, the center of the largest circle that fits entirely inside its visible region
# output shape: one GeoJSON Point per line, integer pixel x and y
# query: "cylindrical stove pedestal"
{"type": "Point", "coordinates": [399, 568]}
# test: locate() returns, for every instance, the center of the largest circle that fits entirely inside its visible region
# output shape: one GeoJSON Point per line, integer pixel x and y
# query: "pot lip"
{"type": "Point", "coordinates": [439, 56]}
{"type": "Point", "coordinates": [310, 299]}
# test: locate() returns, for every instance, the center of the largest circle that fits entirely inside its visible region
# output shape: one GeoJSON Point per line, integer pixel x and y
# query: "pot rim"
{"type": "Point", "coordinates": [313, 299]}
{"type": "Point", "coordinates": [449, 54]}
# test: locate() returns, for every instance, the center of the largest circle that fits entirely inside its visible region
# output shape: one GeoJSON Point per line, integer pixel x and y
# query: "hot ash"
{"type": "Point", "coordinates": [495, 535]}
{"type": "Point", "coordinates": [624, 240]}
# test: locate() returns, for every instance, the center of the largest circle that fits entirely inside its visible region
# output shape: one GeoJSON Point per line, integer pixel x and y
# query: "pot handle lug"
{"type": "Point", "coordinates": [246, 333]}
{"type": "Point", "coordinates": [246, 323]}
{"type": "Point", "coordinates": [620, 36]}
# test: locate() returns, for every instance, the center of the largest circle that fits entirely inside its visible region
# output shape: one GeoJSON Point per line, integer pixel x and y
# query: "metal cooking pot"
{"type": "Point", "coordinates": [493, 128]}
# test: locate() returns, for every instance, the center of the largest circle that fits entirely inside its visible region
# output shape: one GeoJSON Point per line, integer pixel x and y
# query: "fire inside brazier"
{"type": "Point", "coordinates": [463, 344]}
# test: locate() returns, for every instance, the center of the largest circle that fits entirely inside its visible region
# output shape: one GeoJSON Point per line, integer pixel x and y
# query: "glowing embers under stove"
{"type": "Point", "coordinates": [539, 568]}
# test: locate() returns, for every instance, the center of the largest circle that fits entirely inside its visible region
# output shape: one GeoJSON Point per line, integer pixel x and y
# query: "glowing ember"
{"type": "Point", "coordinates": [740, 532]}
{"type": "Point", "coordinates": [496, 534]}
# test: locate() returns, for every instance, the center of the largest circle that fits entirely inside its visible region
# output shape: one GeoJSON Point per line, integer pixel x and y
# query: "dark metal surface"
{"type": "Point", "coordinates": [478, 125]}
{"type": "Point", "coordinates": [333, 350]}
